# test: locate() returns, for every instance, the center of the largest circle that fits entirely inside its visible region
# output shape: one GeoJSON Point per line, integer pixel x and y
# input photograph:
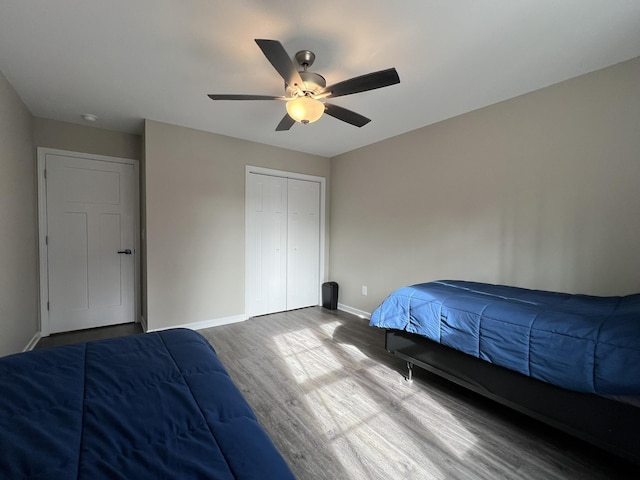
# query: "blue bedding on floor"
{"type": "Point", "coordinates": [578, 342]}
{"type": "Point", "coordinates": [158, 405]}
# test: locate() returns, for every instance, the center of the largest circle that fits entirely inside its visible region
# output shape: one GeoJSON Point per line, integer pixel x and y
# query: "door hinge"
{"type": "Point", "coordinates": [45, 173]}
{"type": "Point", "coordinates": [47, 306]}
{"type": "Point", "coordinates": [46, 240]}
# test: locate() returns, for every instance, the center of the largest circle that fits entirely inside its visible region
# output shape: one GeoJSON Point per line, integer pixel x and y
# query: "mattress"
{"type": "Point", "coordinates": [158, 405]}
{"type": "Point", "coordinates": [579, 342]}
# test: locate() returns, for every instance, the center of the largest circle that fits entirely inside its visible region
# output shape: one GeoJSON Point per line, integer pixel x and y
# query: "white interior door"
{"type": "Point", "coordinates": [303, 244]}
{"type": "Point", "coordinates": [90, 221]}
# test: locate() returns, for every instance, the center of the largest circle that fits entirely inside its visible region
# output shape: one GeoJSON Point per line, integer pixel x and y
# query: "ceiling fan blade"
{"type": "Point", "coordinates": [279, 58]}
{"type": "Point", "coordinates": [285, 124]}
{"type": "Point", "coordinates": [234, 96]}
{"type": "Point", "coordinates": [370, 81]}
{"type": "Point", "coordinates": [346, 115]}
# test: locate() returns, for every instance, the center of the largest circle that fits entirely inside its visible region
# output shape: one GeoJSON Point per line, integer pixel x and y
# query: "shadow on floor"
{"type": "Point", "coordinates": [89, 335]}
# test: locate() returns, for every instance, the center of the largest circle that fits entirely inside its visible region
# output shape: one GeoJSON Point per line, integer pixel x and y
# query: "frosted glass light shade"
{"type": "Point", "coordinates": [305, 109]}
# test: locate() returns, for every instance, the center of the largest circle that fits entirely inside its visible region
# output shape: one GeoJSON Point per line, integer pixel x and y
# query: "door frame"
{"type": "Point", "coordinates": [43, 313]}
{"type": "Point", "coordinates": [295, 176]}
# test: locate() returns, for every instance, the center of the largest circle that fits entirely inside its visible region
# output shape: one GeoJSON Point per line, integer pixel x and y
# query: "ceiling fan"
{"type": "Point", "coordinates": [305, 90]}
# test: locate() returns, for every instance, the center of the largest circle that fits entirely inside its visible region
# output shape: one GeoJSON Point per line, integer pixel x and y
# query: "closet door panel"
{"type": "Point", "coordinates": [303, 244]}
{"type": "Point", "coordinates": [267, 250]}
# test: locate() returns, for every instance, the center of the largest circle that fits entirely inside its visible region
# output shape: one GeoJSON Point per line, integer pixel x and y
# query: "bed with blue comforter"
{"type": "Point", "coordinates": [570, 360]}
{"type": "Point", "coordinates": [158, 405]}
{"type": "Point", "coordinates": [579, 342]}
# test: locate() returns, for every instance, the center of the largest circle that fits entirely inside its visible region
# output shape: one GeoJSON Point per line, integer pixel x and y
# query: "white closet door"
{"type": "Point", "coordinates": [303, 240]}
{"type": "Point", "coordinates": [267, 236]}
{"type": "Point", "coordinates": [283, 243]}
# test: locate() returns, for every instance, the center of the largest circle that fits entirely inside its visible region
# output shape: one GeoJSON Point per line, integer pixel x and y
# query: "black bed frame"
{"type": "Point", "coordinates": [604, 422]}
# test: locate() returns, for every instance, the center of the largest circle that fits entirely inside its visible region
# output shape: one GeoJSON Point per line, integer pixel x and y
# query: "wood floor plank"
{"type": "Point", "coordinates": [89, 335]}
{"type": "Point", "coordinates": [337, 407]}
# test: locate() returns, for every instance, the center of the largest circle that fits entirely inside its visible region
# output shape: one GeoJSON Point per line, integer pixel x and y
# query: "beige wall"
{"type": "Point", "coordinates": [85, 139]}
{"type": "Point", "coordinates": [541, 191]}
{"type": "Point", "coordinates": [195, 187]}
{"type": "Point", "coordinates": [18, 224]}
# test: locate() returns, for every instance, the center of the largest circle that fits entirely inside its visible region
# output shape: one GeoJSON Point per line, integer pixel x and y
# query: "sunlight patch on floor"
{"type": "Point", "coordinates": [354, 419]}
{"type": "Point", "coordinates": [306, 355]}
{"type": "Point", "coordinates": [433, 416]}
{"type": "Point", "coordinates": [357, 431]}
{"type": "Point", "coordinates": [330, 328]}
{"type": "Point", "coordinates": [297, 341]}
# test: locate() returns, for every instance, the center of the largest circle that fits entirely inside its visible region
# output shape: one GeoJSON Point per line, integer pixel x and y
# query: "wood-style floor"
{"type": "Point", "coordinates": [336, 405]}
{"type": "Point", "coordinates": [89, 335]}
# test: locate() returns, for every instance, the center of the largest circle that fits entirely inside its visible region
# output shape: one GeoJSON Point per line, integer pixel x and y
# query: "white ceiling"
{"type": "Point", "coordinates": [127, 60]}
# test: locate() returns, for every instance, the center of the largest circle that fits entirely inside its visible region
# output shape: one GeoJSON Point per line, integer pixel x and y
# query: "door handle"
{"type": "Point", "coordinates": [125, 252]}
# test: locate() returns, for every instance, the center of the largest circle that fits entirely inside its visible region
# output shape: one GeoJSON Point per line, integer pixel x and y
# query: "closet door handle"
{"type": "Point", "coordinates": [125, 252]}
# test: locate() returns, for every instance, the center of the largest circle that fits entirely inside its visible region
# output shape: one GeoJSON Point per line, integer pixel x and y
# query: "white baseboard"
{"type": "Point", "coordinates": [216, 322]}
{"type": "Point", "coordinates": [32, 343]}
{"type": "Point", "coordinates": [354, 311]}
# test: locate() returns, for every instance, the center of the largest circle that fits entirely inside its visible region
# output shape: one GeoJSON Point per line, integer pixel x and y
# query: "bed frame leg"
{"type": "Point", "coordinates": [409, 377]}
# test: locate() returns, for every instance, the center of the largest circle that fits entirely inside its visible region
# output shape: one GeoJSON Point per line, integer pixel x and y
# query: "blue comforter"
{"type": "Point", "coordinates": [578, 342]}
{"type": "Point", "coordinates": [157, 405]}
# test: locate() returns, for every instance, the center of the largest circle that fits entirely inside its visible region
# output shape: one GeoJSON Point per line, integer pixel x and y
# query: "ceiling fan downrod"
{"type": "Point", "coordinates": [305, 58]}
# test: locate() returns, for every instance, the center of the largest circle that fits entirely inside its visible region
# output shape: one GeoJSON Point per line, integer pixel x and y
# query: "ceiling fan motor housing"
{"type": "Point", "coordinates": [313, 82]}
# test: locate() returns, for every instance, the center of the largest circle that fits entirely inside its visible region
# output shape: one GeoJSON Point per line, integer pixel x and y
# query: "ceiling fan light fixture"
{"type": "Point", "coordinates": [305, 109]}
{"type": "Point", "coordinates": [305, 89]}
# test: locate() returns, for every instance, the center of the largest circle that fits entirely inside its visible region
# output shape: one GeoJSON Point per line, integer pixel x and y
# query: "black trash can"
{"type": "Point", "coordinates": [330, 295]}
